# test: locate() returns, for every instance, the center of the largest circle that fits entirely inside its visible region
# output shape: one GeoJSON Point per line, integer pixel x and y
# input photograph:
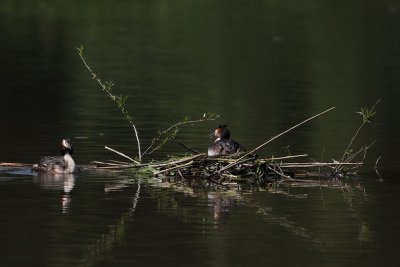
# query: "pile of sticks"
{"type": "Point", "coordinates": [223, 170]}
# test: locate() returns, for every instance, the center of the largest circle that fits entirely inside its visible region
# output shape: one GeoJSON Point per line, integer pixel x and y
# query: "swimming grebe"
{"type": "Point", "coordinates": [58, 164]}
{"type": "Point", "coordinates": [223, 145]}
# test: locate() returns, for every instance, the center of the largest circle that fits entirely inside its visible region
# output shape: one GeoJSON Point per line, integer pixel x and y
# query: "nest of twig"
{"type": "Point", "coordinates": [235, 169]}
{"type": "Point", "coordinates": [247, 166]}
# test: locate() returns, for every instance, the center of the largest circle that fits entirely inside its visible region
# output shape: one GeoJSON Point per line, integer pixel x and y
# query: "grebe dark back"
{"type": "Point", "coordinates": [223, 145]}
{"type": "Point", "coordinates": [58, 164]}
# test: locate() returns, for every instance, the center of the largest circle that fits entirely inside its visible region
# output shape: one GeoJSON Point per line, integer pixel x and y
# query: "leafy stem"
{"type": "Point", "coordinates": [366, 116]}
{"type": "Point", "coordinates": [170, 133]}
{"type": "Point", "coordinates": [118, 99]}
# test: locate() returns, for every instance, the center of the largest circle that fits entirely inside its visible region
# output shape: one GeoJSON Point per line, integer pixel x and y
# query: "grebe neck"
{"type": "Point", "coordinates": [69, 162]}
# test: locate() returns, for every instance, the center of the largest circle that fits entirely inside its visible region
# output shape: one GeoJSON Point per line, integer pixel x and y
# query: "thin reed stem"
{"type": "Point", "coordinates": [366, 115]}
{"type": "Point", "coordinates": [121, 154]}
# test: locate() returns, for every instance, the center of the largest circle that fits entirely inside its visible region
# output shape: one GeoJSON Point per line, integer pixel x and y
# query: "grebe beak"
{"type": "Point", "coordinates": [66, 144]}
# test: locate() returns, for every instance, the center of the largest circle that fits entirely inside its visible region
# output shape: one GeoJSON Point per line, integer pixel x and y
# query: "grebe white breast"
{"type": "Point", "coordinates": [58, 164]}
{"type": "Point", "coordinates": [223, 145]}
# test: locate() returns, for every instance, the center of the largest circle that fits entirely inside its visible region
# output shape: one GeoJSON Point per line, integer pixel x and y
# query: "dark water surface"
{"type": "Point", "coordinates": [263, 66]}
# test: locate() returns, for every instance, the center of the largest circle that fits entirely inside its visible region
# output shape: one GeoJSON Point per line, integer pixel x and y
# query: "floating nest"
{"type": "Point", "coordinates": [238, 168]}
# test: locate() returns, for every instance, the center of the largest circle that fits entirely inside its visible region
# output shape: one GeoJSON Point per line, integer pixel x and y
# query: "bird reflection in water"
{"type": "Point", "coordinates": [63, 182]}
{"type": "Point", "coordinates": [221, 205]}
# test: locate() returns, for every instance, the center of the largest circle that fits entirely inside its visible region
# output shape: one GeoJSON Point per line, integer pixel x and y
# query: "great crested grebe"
{"type": "Point", "coordinates": [58, 164]}
{"type": "Point", "coordinates": [223, 145]}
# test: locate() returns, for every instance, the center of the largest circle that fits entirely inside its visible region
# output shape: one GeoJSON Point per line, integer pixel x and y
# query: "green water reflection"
{"type": "Point", "coordinates": [263, 65]}
{"type": "Point", "coordinates": [123, 220]}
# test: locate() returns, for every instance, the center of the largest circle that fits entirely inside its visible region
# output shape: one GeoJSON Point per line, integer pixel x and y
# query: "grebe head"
{"type": "Point", "coordinates": [66, 146]}
{"type": "Point", "coordinates": [221, 132]}
{"type": "Point", "coordinates": [223, 145]}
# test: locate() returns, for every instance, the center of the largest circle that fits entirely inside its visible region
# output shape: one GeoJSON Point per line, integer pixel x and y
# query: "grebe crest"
{"type": "Point", "coordinates": [58, 164]}
{"type": "Point", "coordinates": [223, 145]}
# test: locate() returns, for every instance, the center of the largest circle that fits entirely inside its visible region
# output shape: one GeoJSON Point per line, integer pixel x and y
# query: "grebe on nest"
{"type": "Point", "coordinates": [223, 145]}
{"type": "Point", "coordinates": [58, 164]}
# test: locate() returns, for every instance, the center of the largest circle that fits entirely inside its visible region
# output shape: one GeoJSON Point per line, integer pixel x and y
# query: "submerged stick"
{"type": "Point", "coordinates": [269, 141]}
